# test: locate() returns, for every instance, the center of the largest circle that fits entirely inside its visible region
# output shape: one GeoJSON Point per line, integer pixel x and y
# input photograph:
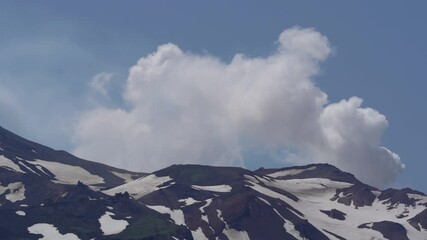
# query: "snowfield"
{"type": "Point", "coordinates": [315, 195]}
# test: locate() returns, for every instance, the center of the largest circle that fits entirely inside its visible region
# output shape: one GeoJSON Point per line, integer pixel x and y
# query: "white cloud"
{"type": "Point", "coordinates": [188, 108]}
{"type": "Point", "coordinates": [100, 82]}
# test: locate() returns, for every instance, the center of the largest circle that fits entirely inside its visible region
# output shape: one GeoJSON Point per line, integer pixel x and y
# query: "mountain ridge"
{"type": "Point", "coordinates": [50, 194]}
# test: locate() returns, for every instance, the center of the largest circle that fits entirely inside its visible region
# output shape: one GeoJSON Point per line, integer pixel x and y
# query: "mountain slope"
{"type": "Point", "coordinates": [48, 194]}
{"type": "Point", "coordinates": [29, 158]}
{"type": "Point", "coordinates": [311, 202]}
{"type": "Point", "coordinates": [44, 192]}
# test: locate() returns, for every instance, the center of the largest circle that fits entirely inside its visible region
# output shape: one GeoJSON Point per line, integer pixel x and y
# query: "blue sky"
{"type": "Point", "coordinates": [51, 51]}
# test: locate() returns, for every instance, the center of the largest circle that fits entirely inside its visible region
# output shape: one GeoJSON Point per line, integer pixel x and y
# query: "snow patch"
{"type": "Point", "coordinates": [208, 202]}
{"type": "Point", "coordinates": [289, 226]}
{"type": "Point", "coordinates": [50, 232]}
{"type": "Point", "coordinates": [376, 193]}
{"type": "Point", "coordinates": [269, 192]}
{"type": "Point", "coordinates": [308, 186]}
{"type": "Point", "coordinates": [139, 187]}
{"type": "Point", "coordinates": [214, 188]}
{"type": "Point", "coordinates": [205, 218]}
{"type": "Point", "coordinates": [28, 168]}
{"type": "Point", "coordinates": [234, 234]}
{"type": "Point", "coordinates": [20, 213]}
{"type": "Point", "coordinates": [289, 172]}
{"type": "Point", "coordinates": [198, 234]}
{"type": "Point", "coordinates": [265, 201]}
{"type": "Point", "coordinates": [166, 186]}
{"type": "Point", "coordinates": [251, 178]}
{"type": "Point", "coordinates": [188, 201]}
{"type": "Point", "coordinates": [9, 164]}
{"type": "Point", "coordinates": [40, 168]}
{"type": "Point", "coordinates": [421, 200]}
{"type": "Point", "coordinates": [16, 191]}
{"type": "Point", "coordinates": [127, 177]}
{"type": "Point", "coordinates": [176, 215]}
{"type": "Point", "coordinates": [202, 210]}
{"type": "Point", "coordinates": [68, 174]}
{"type": "Point", "coordinates": [110, 226]}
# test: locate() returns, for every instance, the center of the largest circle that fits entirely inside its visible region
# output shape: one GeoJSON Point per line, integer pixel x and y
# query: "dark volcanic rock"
{"type": "Point", "coordinates": [419, 219]}
{"type": "Point", "coordinates": [203, 175]}
{"type": "Point", "coordinates": [390, 230]}
{"type": "Point", "coordinates": [359, 194]}
{"type": "Point", "coordinates": [335, 235]}
{"type": "Point", "coordinates": [335, 214]}
{"type": "Point", "coordinates": [396, 196]}
{"type": "Point", "coordinates": [320, 170]}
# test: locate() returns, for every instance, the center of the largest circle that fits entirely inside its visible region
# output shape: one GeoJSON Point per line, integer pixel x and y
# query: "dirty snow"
{"type": "Point", "coordinates": [50, 232]}
{"type": "Point", "coordinates": [139, 187]}
{"type": "Point", "coordinates": [308, 186]}
{"type": "Point", "coordinates": [214, 188]}
{"type": "Point", "coordinates": [127, 177]}
{"type": "Point", "coordinates": [110, 226]}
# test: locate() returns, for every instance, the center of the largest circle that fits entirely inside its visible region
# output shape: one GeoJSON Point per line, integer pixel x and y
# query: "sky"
{"type": "Point", "coordinates": [145, 84]}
